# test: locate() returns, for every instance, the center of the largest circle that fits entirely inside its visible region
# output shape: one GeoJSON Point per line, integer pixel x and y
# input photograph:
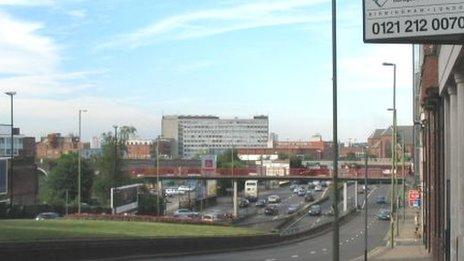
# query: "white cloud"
{"type": "Point", "coordinates": [217, 21]}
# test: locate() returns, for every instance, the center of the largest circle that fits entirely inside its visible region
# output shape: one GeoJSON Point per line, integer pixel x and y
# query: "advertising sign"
{"type": "Point", "coordinates": [3, 176]}
{"type": "Point", "coordinates": [211, 188]}
{"type": "Point", "coordinates": [413, 196]}
{"type": "Point", "coordinates": [413, 21]}
{"type": "Point", "coordinates": [208, 164]}
{"type": "Point", "coordinates": [124, 199]}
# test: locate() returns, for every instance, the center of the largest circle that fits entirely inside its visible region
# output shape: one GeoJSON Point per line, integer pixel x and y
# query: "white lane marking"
{"type": "Point", "coordinates": [347, 240]}
{"type": "Point", "coordinates": [312, 252]}
{"type": "Point", "coordinates": [270, 259]}
{"type": "Point", "coordinates": [295, 256]}
{"type": "Point", "coordinates": [352, 238]}
{"type": "Point", "coordinates": [324, 250]}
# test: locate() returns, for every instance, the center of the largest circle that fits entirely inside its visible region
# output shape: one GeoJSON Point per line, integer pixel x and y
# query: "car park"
{"type": "Point", "coordinates": [261, 203]}
{"type": "Point", "coordinates": [273, 199]}
{"type": "Point", "coordinates": [47, 215]}
{"type": "Point", "coordinates": [383, 214]}
{"type": "Point", "coordinates": [271, 210]}
{"type": "Point", "coordinates": [314, 210]}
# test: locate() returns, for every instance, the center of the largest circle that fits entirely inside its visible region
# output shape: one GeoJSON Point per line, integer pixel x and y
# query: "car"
{"type": "Point", "coordinates": [185, 213]}
{"type": "Point", "coordinates": [261, 203]}
{"type": "Point", "coordinates": [186, 188]}
{"type": "Point", "coordinates": [383, 214]}
{"type": "Point", "coordinates": [309, 197]}
{"type": "Point", "coordinates": [296, 189]}
{"type": "Point", "coordinates": [243, 203]}
{"type": "Point", "coordinates": [381, 200]}
{"type": "Point", "coordinates": [271, 210]}
{"type": "Point", "coordinates": [252, 199]}
{"type": "Point", "coordinates": [318, 188]}
{"type": "Point", "coordinates": [273, 199]}
{"type": "Point", "coordinates": [311, 185]}
{"type": "Point", "coordinates": [324, 184]}
{"type": "Point", "coordinates": [47, 215]}
{"type": "Point", "coordinates": [301, 192]}
{"type": "Point", "coordinates": [316, 182]}
{"type": "Point", "coordinates": [314, 210]}
{"type": "Point", "coordinates": [292, 209]}
{"type": "Point", "coordinates": [293, 186]}
{"type": "Point", "coordinates": [171, 192]}
{"type": "Point", "coordinates": [210, 217]}
{"type": "Point", "coordinates": [329, 212]}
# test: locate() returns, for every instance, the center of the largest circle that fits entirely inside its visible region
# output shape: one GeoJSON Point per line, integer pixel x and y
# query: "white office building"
{"type": "Point", "coordinates": [196, 135]}
{"type": "Point", "coordinates": [5, 141]}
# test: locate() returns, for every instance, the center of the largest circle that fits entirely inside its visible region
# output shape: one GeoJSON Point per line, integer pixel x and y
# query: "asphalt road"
{"type": "Point", "coordinates": [319, 248]}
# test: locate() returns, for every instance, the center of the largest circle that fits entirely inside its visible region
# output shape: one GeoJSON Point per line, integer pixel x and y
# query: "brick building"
{"type": "Point", "coordinates": [380, 141]}
{"type": "Point", "coordinates": [54, 145]}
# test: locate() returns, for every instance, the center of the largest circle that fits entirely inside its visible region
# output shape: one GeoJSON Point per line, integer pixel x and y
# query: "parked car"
{"type": "Point", "coordinates": [314, 210]}
{"type": "Point", "coordinates": [329, 212]}
{"type": "Point", "coordinates": [186, 188]}
{"type": "Point", "coordinates": [309, 197]}
{"type": "Point", "coordinates": [296, 189]}
{"type": "Point", "coordinates": [311, 185]}
{"type": "Point", "coordinates": [171, 192]}
{"type": "Point", "coordinates": [243, 203]}
{"type": "Point", "coordinates": [47, 215]}
{"type": "Point", "coordinates": [261, 203]}
{"type": "Point", "coordinates": [301, 192]}
{"type": "Point", "coordinates": [381, 200]}
{"type": "Point", "coordinates": [318, 188]}
{"type": "Point", "coordinates": [292, 209]}
{"type": "Point", "coordinates": [273, 199]}
{"type": "Point", "coordinates": [383, 214]}
{"type": "Point", "coordinates": [316, 182]}
{"type": "Point", "coordinates": [271, 210]}
{"type": "Point", "coordinates": [210, 217]}
{"type": "Point", "coordinates": [185, 213]}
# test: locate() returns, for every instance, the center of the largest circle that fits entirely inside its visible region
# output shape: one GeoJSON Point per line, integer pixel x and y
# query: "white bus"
{"type": "Point", "coordinates": [251, 190]}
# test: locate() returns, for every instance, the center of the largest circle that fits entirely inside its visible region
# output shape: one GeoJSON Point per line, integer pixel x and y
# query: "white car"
{"type": "Point", "coordinates": [171, 192]}
{"type": "Point", "coordinates": [186, 188]}
{"type": "Point", "coordinates": [318, 188]}
{"type": "Point", "coordinates": [316, 182]}
{"type": "Point", "coordinates": [273, 199]}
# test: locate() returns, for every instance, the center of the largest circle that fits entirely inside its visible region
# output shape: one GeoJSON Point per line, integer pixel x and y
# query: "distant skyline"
{"type": "Point", "coordinates": [130, 64]}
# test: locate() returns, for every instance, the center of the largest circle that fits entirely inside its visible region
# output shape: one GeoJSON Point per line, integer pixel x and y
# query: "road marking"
{"type": "Point", "coordinates": [324, 250]}
{"type": "Point", "coordinates": [270, 259]}
{"type": "Point", "coordinates": [347, 240]}
{"type": "Point", "coordinates": [295, 256]}
{"type": "Point", "coordinates": [352, 238]}
{"type": "Point", "coordinates": [312, 252]}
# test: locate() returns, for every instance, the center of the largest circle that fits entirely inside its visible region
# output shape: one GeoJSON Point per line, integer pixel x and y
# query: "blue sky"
{"type": "Point", "coordinates": [129, 62]}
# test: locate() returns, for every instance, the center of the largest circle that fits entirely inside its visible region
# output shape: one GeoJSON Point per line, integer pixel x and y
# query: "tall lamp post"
{"type": "Point", "coordinates": [158, 187]}
{"type": "Point", "coordinates": [115, 149]}
{"type": "Point", "coordinates": [393, 174]}
{"type": "Point", "coordinates": [10, 179]}
{"type": "Point", "coordinates": [79, 164]}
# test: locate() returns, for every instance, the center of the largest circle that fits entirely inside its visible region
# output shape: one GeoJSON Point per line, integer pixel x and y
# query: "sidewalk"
{"type": "Point", "coordinates": [408, 245]}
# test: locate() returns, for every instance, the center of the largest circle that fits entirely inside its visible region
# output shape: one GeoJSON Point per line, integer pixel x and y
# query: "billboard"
{"type": "Point", "coordinates": [125, 198]}
{"type": "Point", "coordinates": [211, 188]}
{"type": "Point", "coordinates": [208, 164]}
{"type": "Point", "coordinates": [413, 21]}
{"type": "Point", "coordinates": [3, 175]}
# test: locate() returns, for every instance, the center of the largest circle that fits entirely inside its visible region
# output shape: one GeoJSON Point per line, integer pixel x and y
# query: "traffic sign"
{"type": "Point", "coordinates": [413, 21]}
{"type": "Point", "coordinates": [413, 196]}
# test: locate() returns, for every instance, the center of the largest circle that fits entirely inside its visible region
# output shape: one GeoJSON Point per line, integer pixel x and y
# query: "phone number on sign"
{"type": "Point", "coordinates": [419, 25]}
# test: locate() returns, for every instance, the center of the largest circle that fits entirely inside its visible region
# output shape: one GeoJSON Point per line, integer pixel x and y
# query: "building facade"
{"type": "Point", "coordinates": [440, 111]}
{"type": "Point", "coordinates": [380, 142]}
{"type": "Point", "coordinates": [196, 135]}
{"type": "Point", "coordinates": [54, 145]}
{"type": "Point", "coordinates": [22, 145]}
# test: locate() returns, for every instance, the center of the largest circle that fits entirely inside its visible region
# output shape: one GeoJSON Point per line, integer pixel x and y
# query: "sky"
{"type": "Point", "coordinates": [130, 62]}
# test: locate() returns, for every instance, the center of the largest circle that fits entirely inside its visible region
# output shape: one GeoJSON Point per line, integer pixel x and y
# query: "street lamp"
{"type": "Point", "coordinates": [10, 180]}
{"type": "Point", "coordinates": [79, 164]}
{"type": "Point", "coordinates": [393, 174]}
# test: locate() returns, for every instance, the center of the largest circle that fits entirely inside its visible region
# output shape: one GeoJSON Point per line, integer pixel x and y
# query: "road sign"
{"type": "Point", "coordinates": [413, 196]}
{"type": "Point", "coordinates": [413, 21]}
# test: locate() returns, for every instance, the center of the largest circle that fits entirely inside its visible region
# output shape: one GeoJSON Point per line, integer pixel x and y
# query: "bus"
{"type": "Point", "coordinates": [251, 190]}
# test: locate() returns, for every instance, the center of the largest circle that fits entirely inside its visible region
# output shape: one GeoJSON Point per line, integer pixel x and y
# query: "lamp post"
{"type": "Point", "coordinates": [79, 164]}
{"type": "Point", "coordinates": [366, 155]}
{"type": "Point", "coordinates": [115, 150]}
{"type": "Point", "coordinates": [158, 187]}
{"type": "Point", "coordinates": [393, 174]}
{"type": "Point", "coordinates": [10, 179]}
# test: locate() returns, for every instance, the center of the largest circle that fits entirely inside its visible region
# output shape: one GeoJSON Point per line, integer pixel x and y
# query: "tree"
{"type": "Point", "coordinates": [295, 162]}
{"type": "Point", "coordinates": [63, 176]}
{"type": "Point", "coordinates": [225, 160]}
{"type": "Point", "coordinates": [283, 156]}
{"type": "Point", "coordinates": [110, 167]}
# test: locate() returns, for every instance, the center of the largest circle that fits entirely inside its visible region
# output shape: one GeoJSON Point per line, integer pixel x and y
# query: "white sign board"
{"type": "Point", "coordinates": [414, 21]}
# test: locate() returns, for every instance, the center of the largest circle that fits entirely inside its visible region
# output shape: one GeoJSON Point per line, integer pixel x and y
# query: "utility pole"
{"type": "Point", "coordinates": [10, 179]}
{"type": "Point", "coordinates": [404, 180]}
{"type": "Point", "coordinates": [158, 187]}
{"type": "Point", "coordinates": [336, 236]}
{"type": "Point", "coordinates": [115, 150]}
{"type": "Point", "coordinates": [366, 156]}
{"type": "Point", "coordinates": [79, 164]}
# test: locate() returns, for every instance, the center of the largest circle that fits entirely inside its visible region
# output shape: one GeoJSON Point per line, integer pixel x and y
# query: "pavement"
{"type": "Point", "coordinates": [408, 244]}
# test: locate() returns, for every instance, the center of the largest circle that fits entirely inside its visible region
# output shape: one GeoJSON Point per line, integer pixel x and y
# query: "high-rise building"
{"type": "Point", "coordinates": [196, 135]}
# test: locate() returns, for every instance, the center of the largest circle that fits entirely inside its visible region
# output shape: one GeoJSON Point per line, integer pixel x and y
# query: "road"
{"type": "Point", "coordinates": [319, 248]}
